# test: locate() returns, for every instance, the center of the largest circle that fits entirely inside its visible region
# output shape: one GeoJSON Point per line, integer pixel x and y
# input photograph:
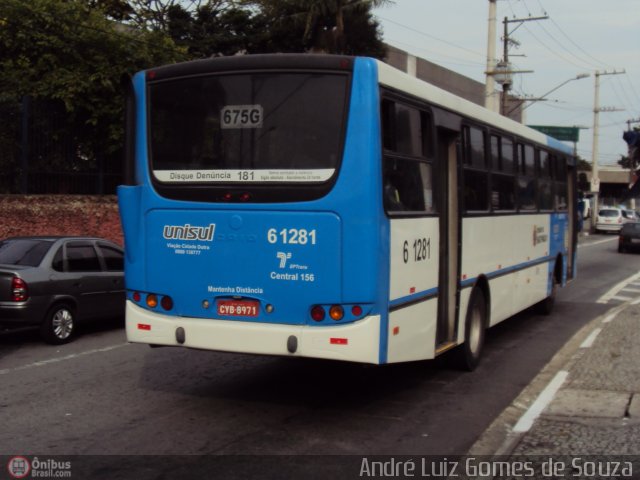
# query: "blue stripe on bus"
{"type": "Point", "coordinates": [558, 145]}
{"type": "Point", "coordinates": [506, 271]}
{"type": "Point", "coordinates": [414, 297]}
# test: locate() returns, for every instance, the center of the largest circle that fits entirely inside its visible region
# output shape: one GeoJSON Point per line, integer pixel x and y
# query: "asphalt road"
{"type": "Point", "coordinates": [102, 396]}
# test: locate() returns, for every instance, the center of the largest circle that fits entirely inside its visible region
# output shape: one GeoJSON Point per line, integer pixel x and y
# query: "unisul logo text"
{"type": "Point", "coordinates": [188, 232]}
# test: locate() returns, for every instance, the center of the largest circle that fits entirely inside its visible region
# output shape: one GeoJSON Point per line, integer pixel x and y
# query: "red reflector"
{"type": "Point", "coordinates": [136, 296]}
{"type": "Point", "coordinates": [356, 310]}
{"type": "Point", "coordinates": [396, 330]}
{"type": "Point", "coordinates": [317, 313]}
{"type": "Point", "coordinates": [412, 290]}
{"type": "Point", "coordinates": [166, 303]}
{"type": "Point", "coordinates": [339, 341]}
{"type": "Point", "coordinates": [144, 326]}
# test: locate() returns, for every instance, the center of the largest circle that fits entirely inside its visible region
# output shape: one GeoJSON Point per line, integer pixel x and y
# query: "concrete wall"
{"type": "Point", "coordinates": [60, 215]}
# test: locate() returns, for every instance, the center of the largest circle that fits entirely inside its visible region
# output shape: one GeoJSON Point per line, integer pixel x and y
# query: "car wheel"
{"type": "Point", "coordinates": [474, 332]}
{"type": "Point", "coordinates": [59, 325]}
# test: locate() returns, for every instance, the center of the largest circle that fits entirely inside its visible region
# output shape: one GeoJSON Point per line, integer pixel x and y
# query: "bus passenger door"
{"type": "Point", "coordinates": [448, 207]}
{"type": "Point", "coordinates": [572, 233]}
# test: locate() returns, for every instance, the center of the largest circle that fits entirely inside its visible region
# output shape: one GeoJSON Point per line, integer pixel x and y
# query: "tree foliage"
{"type": "Point", "coordinates": [69, 55]}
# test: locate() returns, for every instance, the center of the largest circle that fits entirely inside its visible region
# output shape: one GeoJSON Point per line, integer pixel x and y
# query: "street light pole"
{"type": "Point", "coordinates": [542, 97]}
{"type": "Point", "coordinates": [490, 84]}
{"type": "Point", "coordinates": [595, 178]}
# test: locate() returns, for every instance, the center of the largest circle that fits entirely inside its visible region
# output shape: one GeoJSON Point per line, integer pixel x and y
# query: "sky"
{"type": "Point", "coordinates": [580, 36]}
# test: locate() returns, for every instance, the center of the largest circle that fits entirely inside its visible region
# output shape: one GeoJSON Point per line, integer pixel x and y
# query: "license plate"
{"type": "Point", "coordinates": [238, 308]}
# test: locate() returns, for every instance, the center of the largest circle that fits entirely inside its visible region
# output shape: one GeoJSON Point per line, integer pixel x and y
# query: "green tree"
{"type": "Point", "coordinates": [330, 26]}
{"type": "Point", "coordinates": [68, 55]}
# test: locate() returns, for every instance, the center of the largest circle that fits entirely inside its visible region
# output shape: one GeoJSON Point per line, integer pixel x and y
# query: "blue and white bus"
{"type": "Point", "coordinates": [334, 207]}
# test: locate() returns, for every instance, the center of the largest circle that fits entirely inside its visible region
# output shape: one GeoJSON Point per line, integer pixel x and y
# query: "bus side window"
{"type": "Point", "coordinates": [408, 186]}
{"type": "Point", "coordinates": [407, 152]}
{"type": "Point", "coordinates": [545, 185]}
{"type": "Point", "coordinates": [502, 179]}
{"type": "Point", "coordinates": [527, 185]}
{"type": "Point", "coordinates": [559, 167]}
{"type": "Point", "coordinates": [476, 175]}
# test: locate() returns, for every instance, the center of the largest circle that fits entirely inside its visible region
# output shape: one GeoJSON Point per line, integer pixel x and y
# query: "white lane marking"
{"type": "Point", "coordinates": [611, 316]}
{"type": "Point", "coordinates": [614, 291]}
{"type": "Point", "coordinates": [588, 342]}
{"type": "Point", "coordinates": [621, 298]}
{"type": "Point", "coordinates": [629, 289]}
{"type": "Point", "coordinates": [581, 245]}
{"type": "Point", "coordinates": [546, 396]}
{"type": "Point", "coordinates": [61, 359]}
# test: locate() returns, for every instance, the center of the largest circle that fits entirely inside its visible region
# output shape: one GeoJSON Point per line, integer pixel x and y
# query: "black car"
{"type": "Point", "coordinates": [52, 282]}
{"type": "Point", "coordinates": [629, 237]}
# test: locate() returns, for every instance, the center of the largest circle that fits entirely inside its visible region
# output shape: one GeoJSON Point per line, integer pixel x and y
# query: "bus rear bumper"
{"type": "Point", "coordinates": [355, 342]}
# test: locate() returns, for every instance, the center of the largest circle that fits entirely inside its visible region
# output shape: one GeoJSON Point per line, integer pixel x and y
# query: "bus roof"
{"type": "Point", "coordinates": [399, 80]}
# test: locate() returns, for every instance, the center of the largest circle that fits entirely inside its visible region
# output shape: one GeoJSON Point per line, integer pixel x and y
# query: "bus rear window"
{"type": "Point", "coordinates": [247, 129]}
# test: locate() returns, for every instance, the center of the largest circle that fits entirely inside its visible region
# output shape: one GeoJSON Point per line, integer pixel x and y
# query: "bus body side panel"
{"type": "Point", "coordinates": [413, 288]}
{"type": "Point", "coordinates": [512, 252]}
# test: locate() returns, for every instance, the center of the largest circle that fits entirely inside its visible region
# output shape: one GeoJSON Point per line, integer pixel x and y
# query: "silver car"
{"type": "Point", "coordinates": [611, 219]}
{"type": "Point", "coordinates": [52, 282]}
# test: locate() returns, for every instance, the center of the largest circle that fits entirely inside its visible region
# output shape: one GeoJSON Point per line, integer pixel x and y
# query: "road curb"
{"type": "Point", "coordinates": [500, 438]}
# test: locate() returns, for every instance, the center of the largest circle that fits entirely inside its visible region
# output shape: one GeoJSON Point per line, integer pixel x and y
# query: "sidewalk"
{"type": "Point", "coordinates": [586, 401]}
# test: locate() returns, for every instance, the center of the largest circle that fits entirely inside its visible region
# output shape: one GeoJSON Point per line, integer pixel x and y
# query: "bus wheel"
{"type": "Point", "coordinates": [545, 307]}
{"type": "Point", "coordinates": [474, 331]}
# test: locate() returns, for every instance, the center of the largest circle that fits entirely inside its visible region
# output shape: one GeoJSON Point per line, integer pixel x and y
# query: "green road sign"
{"type": "Point", "coordinates": [570, 134]}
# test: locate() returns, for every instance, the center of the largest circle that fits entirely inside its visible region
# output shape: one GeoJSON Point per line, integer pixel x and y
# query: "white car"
{"type": "Point", "coordinates": [611, 219]}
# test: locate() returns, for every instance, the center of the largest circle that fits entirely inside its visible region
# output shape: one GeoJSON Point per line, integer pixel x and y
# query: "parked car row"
{"type": "Point", "coordinates": [611, 219]}
{"type": "Point", "coordinates": [53, 282]}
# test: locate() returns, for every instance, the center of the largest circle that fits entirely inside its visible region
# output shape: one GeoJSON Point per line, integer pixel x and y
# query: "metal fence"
{"type": "Point", "coordinates": [44, 151]}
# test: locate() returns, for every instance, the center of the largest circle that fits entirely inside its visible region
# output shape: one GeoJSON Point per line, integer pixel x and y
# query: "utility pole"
{"type": "Point", "coordinates": [490, 84]}
{"type": "Point", "coordinates": [502, 71]}
{"type": "Point", "coordinates": [595, 179]}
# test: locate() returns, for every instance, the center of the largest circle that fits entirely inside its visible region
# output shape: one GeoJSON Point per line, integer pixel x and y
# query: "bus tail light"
{"type": "Point", "coordinates": [152, 300]}
{"type": "Point", "coordinates": [166, 303]}
{"type": "Point", "coordinates": [336, 312]}
{"type": "Point", "coordinates": [19, 291]}
{"type": "Point", "coordinates": [317, 313]}
{"type": "Point", "coordinates": [136, 297]}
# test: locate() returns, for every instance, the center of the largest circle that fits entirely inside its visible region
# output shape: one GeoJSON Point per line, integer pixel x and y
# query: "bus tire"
{"type": "Point", "coordinates": [474, 331]}
{"type": "Point", "coordinates": [545, 307]}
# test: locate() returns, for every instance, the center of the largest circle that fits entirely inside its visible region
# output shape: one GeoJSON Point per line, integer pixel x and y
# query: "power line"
{"type": "Point", "coordinates": [446, 42]}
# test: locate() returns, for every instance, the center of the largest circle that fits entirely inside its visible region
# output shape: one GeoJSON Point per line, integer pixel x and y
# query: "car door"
{"type": "Point", "coordinates": [113, 267]}
{"type": "Point", "coordinates": [85, 278]}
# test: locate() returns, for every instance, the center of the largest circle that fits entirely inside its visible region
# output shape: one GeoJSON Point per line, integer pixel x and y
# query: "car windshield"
{"type": "Point", "coordinates": [609, 213]}
{"type": "Point", "coordinates": [23, 251]}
